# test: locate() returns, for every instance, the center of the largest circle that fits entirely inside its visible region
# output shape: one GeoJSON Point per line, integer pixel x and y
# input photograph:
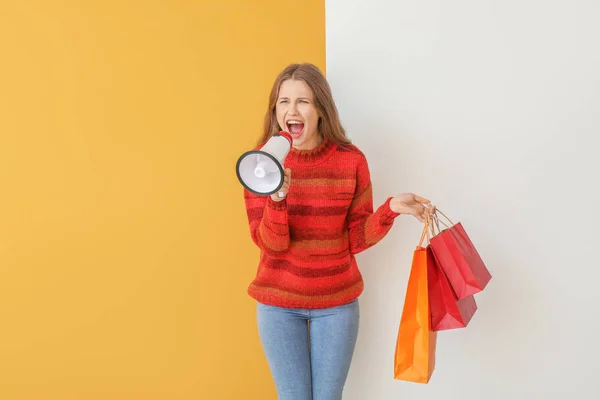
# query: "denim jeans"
{"type": "Point", "coordinates": [309, 351]}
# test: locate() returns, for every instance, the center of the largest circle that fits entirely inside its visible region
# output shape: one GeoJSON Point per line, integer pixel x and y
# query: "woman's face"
{"type": "Point", "coordinates": [297, 114]}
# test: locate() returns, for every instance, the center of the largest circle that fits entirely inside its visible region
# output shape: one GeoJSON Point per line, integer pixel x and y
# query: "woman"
{"type": "Point", "coordinates": [308, 282]}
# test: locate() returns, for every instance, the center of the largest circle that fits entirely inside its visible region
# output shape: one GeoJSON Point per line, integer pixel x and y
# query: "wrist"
{"type": "Point", "coordinates": [276, 204]}
{"type": "Point", "coordinates": [396, 206]}
{"type": "Point", "coordinates": [276, 198]}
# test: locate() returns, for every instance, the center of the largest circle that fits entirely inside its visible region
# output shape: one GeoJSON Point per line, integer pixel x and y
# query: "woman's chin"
{"type": "Point", "coordinates": [304, 142]}
{"type": "Point", "coordinates": [297, 141]}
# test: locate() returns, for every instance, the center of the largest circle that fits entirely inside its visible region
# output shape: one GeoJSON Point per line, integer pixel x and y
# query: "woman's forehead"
{"type": "Point", "coordinates": [295, 88]}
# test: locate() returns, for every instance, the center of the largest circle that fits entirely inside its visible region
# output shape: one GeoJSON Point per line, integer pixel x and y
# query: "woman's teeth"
{"type": "Point", "coordinates": [295, 127]}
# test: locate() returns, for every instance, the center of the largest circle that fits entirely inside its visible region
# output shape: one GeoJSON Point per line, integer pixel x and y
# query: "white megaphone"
{"type": "Point", "coordinates": [261, 171]}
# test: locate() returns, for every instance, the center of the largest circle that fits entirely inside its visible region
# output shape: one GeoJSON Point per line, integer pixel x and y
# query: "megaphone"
{"type": "Point", "coordinates": [261, 171]}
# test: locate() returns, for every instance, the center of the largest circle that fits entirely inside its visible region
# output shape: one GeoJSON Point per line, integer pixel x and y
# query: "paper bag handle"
{"type": "Point", "coordinates": [444, 215]}
{"type": "Point", "coordinates": [425, 232]}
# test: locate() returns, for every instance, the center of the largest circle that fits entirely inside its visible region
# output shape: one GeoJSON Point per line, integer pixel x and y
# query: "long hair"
{"type": "Point", "coordinates": [329, 125]}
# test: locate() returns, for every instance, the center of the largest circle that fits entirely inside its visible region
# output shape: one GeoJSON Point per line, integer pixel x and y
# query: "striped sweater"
{"type": "Point", "coordinates": [308, 241]}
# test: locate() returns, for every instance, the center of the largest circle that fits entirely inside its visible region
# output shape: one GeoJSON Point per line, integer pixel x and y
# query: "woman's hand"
{"type": "Point", "coordinates": [410, 203]}
{"type": "Point", "coordinates": [280, 195]}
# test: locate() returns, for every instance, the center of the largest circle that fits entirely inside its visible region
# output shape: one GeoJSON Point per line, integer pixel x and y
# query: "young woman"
{"type": "Point", "coordinates": [308, 282]}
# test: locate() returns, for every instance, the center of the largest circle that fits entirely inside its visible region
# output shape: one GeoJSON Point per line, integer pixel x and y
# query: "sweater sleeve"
{"type": "Point", "coordinates": [366, 228]}
{"type": "Point", "coordinates": [268, 221]}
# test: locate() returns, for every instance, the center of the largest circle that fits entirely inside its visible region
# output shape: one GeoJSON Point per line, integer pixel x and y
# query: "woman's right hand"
{"type": "Point", "coordinates": [280, 195]}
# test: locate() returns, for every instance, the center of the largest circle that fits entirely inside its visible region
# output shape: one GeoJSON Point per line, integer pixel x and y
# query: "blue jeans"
{"type": "Point", "coordinates": [309, 351]}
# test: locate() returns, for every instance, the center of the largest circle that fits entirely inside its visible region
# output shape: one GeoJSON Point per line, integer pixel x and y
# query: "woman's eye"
{"type": "Point", "coordinates": [303, 101]}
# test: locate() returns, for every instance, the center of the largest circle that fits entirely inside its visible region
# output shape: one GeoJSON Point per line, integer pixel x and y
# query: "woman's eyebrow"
{"type": "Point", "coordinates": [299, 98]}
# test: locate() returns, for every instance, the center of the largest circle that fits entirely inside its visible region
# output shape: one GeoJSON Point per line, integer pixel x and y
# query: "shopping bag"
{"type": "Point", "coordinates": [447, 312]}
{"type": "Point", "coordinates": [458, 258]}
{"type": "Point", "coordinates": [414, 360]}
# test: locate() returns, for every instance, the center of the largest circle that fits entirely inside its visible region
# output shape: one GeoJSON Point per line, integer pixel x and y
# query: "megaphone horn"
{"type": "Point", "coordinates": [261, 171]}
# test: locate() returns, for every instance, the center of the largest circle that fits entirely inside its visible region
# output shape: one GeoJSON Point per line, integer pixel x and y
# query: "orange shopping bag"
{"type": "Point", "coordinates": [414, 360]}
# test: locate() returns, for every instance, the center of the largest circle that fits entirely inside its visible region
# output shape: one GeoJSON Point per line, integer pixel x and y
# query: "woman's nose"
{"type": "Point", "coordinates": [293, 109]}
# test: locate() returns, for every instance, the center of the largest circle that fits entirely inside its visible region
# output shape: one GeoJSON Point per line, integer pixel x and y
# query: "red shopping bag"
{"type": "Point", "coordinates": [458, 258]}
{"type": "Point", "coordinates": [447, 312]}
{"type": "Point", "coordinates": [414, 360]}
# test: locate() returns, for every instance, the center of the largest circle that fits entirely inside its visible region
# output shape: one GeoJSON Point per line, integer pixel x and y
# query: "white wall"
{"type": "Point", "coordinates": [492, 110]}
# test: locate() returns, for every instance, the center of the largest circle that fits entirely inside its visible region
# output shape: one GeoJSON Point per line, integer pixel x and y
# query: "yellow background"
{"type": "Point", "coordinates": [124, 250]}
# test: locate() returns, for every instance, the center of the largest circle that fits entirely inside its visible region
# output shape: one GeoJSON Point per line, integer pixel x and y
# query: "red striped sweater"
{"type": "Point", "coordinates": [308, 241]}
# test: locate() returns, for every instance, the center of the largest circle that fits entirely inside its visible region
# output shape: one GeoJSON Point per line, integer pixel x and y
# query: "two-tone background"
{"type": "Point", "coordinates": [124, 249]}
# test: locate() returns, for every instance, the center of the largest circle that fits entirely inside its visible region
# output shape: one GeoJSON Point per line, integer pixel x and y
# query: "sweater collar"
{"type": "Point", "coordinates": [311, 157]}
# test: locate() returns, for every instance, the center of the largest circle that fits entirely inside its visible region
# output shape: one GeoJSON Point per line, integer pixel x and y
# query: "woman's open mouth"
{"type": "Point", "coordinates": [295, 128]}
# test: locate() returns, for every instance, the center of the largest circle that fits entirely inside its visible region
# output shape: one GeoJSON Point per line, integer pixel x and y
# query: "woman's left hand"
{"type": "Point", "coordinates": [410, 203]}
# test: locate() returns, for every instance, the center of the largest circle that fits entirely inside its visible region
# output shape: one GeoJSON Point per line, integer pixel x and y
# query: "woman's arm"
{"type": "Point", "coordinates": [366, 228]}
{"type": "Point", "coordinates": [268, 220]}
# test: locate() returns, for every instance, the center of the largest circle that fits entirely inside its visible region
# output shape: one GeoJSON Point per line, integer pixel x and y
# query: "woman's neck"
{"type": "Point", "coordinates": [313, 144]}
{"type": "Point", "coordinates": [313, 156]}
